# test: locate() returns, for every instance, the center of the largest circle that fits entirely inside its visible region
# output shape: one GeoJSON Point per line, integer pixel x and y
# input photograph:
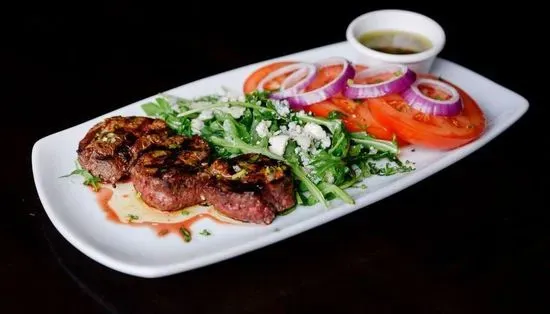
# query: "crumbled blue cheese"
{"type": "Point", "coordinates": [325, 142]}
{"type": "Point", "coordinates": [294, 129]}
{"type": "Point", "coordinates": [282, 107]}
{"type": "Point", "coordinates": [196, 126]}
{"type": "Point", "coordinates": [263, 128]}
{"type": "Point", "coordinates": [314, 130]}
{"type": "Point", "coordinates": [307, 137]}
{"type": "Point", "coordinates": [317, 132]}
{"type": "Point", "coordinates": [303, 141]}
{"type": "Point", "coordinates": [277, 144]}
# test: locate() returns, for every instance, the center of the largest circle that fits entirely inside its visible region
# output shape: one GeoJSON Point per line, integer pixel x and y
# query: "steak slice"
{"type": "Point", "coordinates": [250, 188]}
{"type": "Point", "coordinates": [168, 171]}
{"type": "Point", "coordinates": [105, 150]}
{"type": "Point", "coordinates": [240, 202]}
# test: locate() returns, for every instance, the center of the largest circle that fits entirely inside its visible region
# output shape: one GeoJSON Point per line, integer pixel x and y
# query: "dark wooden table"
{"type": "Point", "coordinates": [471, 239]}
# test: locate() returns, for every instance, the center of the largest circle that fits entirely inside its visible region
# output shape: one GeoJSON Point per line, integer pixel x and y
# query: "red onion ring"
{"type": "Point", "coordinates": [401, 81]}
{"type": "Point", "coordinates": [299, 84]}
{"type": "Point", "coordinates": [298, 101]}
{"type": "Point", "coordinates": [417, 100]}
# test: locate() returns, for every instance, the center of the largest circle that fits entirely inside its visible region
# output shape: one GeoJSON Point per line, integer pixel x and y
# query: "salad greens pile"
{"type": "Point", "coordinates": [324, 157]}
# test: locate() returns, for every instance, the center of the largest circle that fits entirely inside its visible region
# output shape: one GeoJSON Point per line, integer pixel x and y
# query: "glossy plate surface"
{"type": "Point", "coordinates": [74, 211]}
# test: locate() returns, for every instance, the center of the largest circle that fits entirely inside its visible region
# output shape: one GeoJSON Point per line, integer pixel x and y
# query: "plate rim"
{"type": "Point", "coordinates": [147, 271]}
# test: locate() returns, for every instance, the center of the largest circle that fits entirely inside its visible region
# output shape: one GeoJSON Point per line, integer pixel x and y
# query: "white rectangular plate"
{"type": "Point", "coordinates": [74, 211]}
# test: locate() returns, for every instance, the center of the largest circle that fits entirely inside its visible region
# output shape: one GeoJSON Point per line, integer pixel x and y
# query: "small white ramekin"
{"type": "Point", "coordinates": [397, 20]}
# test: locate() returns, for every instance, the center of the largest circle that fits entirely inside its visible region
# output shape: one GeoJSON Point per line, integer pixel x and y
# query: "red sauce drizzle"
{"type": "Point", "coordinates": [103, 197]}
{"type": "Point", "coordinates": [162, 229]}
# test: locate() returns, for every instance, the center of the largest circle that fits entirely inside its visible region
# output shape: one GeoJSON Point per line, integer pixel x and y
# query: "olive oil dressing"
{"type": "Point", "coordinates": [395, 42]}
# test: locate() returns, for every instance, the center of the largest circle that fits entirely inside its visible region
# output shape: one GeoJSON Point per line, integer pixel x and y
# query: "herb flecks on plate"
{"type": "Point", "coordinates": [186, 234]}
{"type": "Point", "coordinates": [205, 232]}
{"type": "Point", "coordinates": [325, 158]}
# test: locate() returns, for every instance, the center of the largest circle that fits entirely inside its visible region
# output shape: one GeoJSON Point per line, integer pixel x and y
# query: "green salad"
{"type": "Point", "coordinates": [324, 157]}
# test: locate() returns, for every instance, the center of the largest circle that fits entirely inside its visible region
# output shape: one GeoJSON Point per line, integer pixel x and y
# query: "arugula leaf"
{"type": "Point", "coordinates": [332, 125]}
{"type": "Point", "coordinates": [337, 191]}
{"type": "Point", "coordinates": [207, 98]}
{"type": "Point", "coordinates": [89, 179]}
{"type": "Point", "coordinates": [333, 115]}
{"type": "Point", "coordinates": [369, 141]}
{"type": "Point", "coordinates": [329, 166]}
{"type": "Point", "coordinates": [340, 143]}
{"type": "Point", "coordinates": [159, 107]}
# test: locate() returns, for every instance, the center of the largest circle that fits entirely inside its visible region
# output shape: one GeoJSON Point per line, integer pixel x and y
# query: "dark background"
{"type": "Point", "coordinates": [472, 238]}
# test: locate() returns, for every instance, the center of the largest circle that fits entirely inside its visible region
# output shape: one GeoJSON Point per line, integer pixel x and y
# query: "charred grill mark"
{"type": "Point", "coordinates": [105, 149]}
{"type": "Point", "coordinates": [250, 187]}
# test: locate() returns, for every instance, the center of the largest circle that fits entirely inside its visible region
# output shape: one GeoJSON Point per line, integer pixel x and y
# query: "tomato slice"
{"type": "Point", "coordinates": [325, 76]}
{"type": "Point", "coordinates": [373, 127]}
{"type": "Point", "coordinates": [355, 116]}
{"type": "Point", "coordinates": [359, 68]}
{"type": "Point", "coordinates": [435, 132]}
{"type": "Point", "coordinates": [252, 81]}
{"type": "Point", "coordinates": [324, 108]}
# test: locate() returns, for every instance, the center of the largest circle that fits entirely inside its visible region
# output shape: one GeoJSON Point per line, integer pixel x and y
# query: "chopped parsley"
{"type": "Point", "coordinates": [186, 234]}
{"type": "Point", "coordinates": [132, 217]}
{"type": "Point", "coordinates": [205, 232]}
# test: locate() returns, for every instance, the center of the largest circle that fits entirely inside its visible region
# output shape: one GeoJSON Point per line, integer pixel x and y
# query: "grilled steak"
{"type": "Point", "coordinates": [168, 170]}
{"type": "Point", "coordinates": [250, 188]}
{"type": "Point", "coordinates": [172, 172]}
{"type": "Point", "coordinates": [105, 151]}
